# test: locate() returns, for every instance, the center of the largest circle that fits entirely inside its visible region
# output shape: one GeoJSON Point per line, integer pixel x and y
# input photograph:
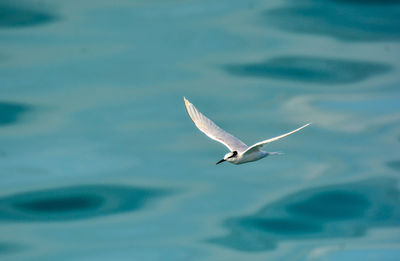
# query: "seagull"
{"type": "Point", "coordinates": [239, 152]}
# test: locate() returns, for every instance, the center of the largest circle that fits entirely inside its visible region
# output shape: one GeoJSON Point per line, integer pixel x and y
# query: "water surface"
{"type": "Point", "coordinates": [99, 161]}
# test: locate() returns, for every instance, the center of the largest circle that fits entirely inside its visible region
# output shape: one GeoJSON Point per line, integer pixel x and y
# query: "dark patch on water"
{"type": "Point", "coordinates": [62, 204]}
{"type": "Point", "coordinates": [347, 210]}
{"type": "Point", "coordinates": [12, 15]}
{"type": "Point", "coordinates": [75, 203]}
{"type": "Point", "coordinates": [9, 248]}
{"type": "Point", "coordinates": [310, 69]}
{"type": "Point", "coordinates": [282, 226]}
{"type": "Point", "coordinates": [331, 205]}
{"type": "Point", "coordinates": [344, 20]}
{"type": "Point", "coordinates": [11, 112]}
{"type": "Point", "coordinates": [394, 164]}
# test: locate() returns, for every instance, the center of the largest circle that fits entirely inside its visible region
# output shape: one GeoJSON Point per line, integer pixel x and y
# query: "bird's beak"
{"type": "Point", "coordinates": [220, 161]}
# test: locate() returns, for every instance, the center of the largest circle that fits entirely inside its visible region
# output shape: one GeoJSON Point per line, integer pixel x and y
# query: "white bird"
{"type": "Point", "coordinates": [239, 152]}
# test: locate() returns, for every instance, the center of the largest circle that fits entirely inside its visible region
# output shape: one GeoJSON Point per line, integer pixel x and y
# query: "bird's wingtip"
{"type": "Point", "coordinates": [186, 101]}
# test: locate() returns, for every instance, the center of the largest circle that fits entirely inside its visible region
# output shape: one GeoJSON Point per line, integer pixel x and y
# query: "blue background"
{"type": "Point", "coordinates": [99, 161]}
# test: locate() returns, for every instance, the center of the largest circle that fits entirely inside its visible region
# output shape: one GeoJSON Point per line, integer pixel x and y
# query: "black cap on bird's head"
{"type": "Point", "coordinates": [228, 156]}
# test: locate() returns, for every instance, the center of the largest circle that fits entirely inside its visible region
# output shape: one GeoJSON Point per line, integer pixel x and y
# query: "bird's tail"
{"type": "Point", "coordinates": [276, 153]}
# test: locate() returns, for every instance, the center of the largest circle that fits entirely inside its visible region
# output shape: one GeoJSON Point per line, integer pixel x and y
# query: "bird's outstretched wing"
{"type": "Point", "coordinates": [258, 145]}
{"type": "Point", "coordinates": [212, 130]}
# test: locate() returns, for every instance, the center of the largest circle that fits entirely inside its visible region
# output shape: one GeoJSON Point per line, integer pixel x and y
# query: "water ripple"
{"type": "Point", "coordinates": [10, 112]}
{"type": "Point", "coordinates": [74, 203]}
{"type": "Point", "coordinates": [310, 69]}
{"type": "Point", "coordinates": [347, 210]}
{"type": "Point", "coordinates": [345, 20]}
{"type": "Point", "coordinates": [12, 16]}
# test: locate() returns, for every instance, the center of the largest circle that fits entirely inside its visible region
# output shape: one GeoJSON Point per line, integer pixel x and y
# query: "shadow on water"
{"type": "Point", "coordinates": [347, 210]}
{"type": "Point", "coordinates": [11, 112]}
{"type": "Point", "coordinates": [351, 20]}
{"type": "Point", "coordinates": [13, 15]}
{"type": "Point", "coordinates": [310, 69]}
{"type": "Point", "coordinates": [75, 203]}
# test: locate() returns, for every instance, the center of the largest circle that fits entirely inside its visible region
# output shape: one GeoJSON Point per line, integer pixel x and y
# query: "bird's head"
{"type": "Point", "coordinates": [230, 156]}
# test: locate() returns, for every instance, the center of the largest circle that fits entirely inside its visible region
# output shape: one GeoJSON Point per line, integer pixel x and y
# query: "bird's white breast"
{"type": "Point", "coordinates": [248, 157]}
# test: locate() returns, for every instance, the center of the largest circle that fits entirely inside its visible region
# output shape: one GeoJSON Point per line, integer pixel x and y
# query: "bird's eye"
{"type": "Point", "coordinates": [234, 153]}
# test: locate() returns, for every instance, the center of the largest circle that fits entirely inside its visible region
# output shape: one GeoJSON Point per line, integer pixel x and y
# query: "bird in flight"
{"type": "Point", "coordinates": [239, 152]}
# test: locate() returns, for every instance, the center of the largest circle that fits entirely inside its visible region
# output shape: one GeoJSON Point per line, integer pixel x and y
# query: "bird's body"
{"type": "Point", "coordinates": [249, 157]}
{"type": "Point", "coordinates": [239, 152]}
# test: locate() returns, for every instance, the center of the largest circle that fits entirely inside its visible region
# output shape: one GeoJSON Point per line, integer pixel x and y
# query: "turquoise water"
{"type": "Point", "coordinates": [99, 161]}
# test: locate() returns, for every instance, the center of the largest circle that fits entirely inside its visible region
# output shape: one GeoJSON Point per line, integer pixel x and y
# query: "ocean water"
{"type": "Point", "coordinates": [99, 161]}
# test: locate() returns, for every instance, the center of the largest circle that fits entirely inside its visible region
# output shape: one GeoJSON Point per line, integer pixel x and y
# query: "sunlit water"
{"type": "Point", "coordinates": [99, 161]}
